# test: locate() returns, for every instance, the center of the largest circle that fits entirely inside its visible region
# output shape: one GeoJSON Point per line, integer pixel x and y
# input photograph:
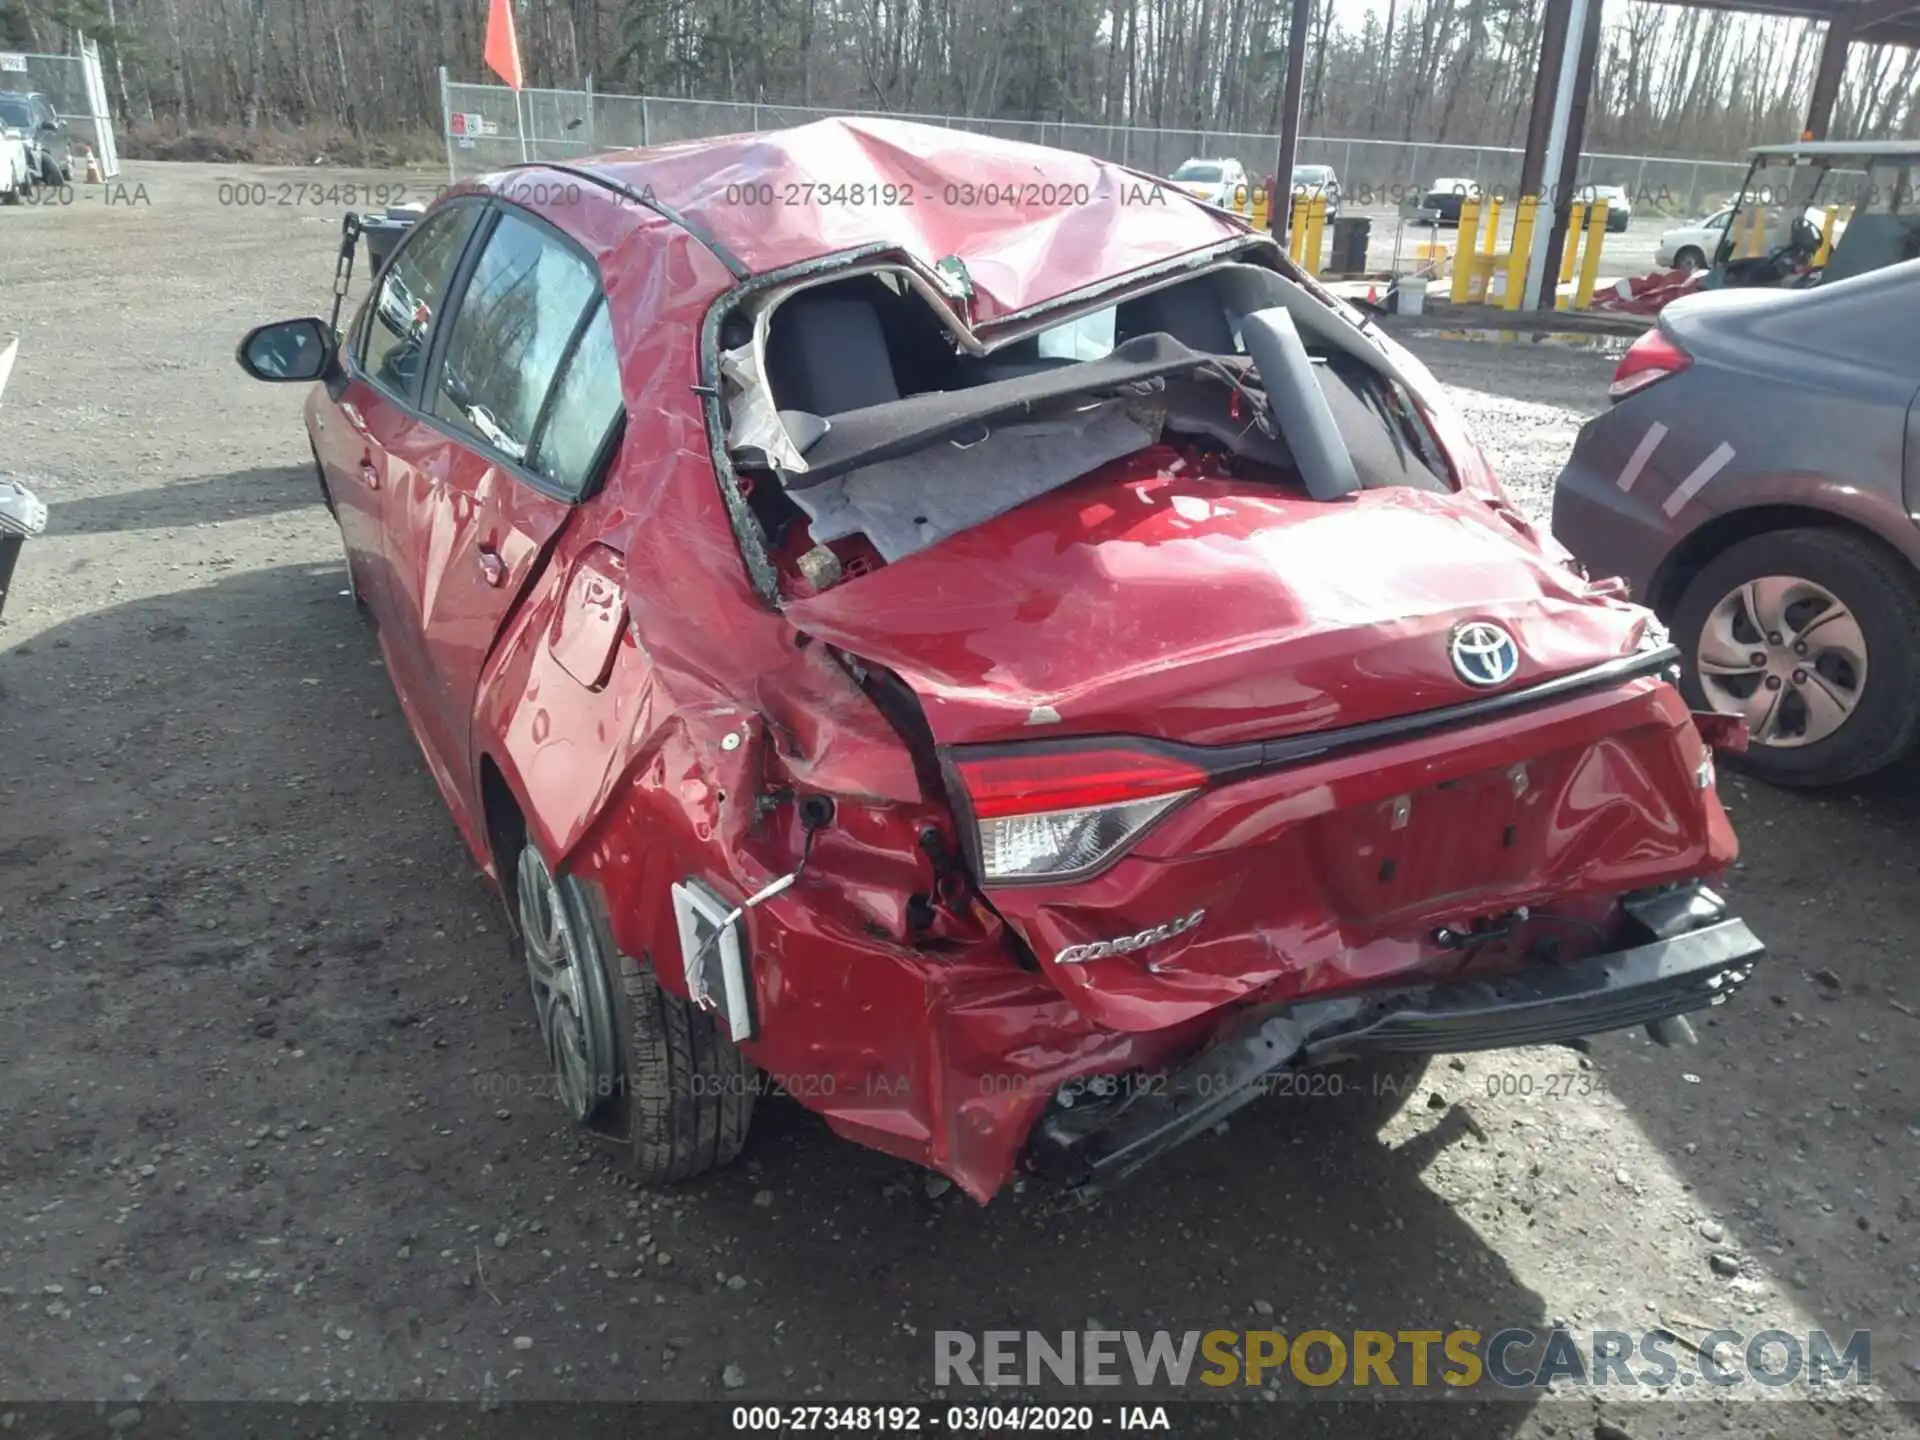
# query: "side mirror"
{"type": "Point", "coordinates": [48, 127]}
{"type": "Point", "coordinates": [288, 350]}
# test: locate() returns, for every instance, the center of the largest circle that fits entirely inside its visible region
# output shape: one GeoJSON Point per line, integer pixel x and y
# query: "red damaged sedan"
{"type": "Point", "coordinates": [977, 638]}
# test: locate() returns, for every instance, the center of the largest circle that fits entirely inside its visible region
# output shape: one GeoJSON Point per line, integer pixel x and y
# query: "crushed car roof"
{"type": "Point", "coordinates": [1030, 223]}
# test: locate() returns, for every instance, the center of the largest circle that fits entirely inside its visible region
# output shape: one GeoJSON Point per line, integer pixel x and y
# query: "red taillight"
{"type": "Point", "coordinates": [1016, 783]}
{"type": "Point", "coordinates": [1652, 357]}
{"type": "Point", "coordinates": [1046, 814]}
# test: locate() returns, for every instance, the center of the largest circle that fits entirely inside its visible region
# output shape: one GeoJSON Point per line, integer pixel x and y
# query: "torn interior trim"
{"type": "Point", "coordinates": [756, 431]}
{"type": "Point", "coordinates": [746, 529]}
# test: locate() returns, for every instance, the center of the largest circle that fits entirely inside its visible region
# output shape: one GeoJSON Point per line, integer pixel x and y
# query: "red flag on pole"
{"type": "Point", "coordinates": [503, 46]}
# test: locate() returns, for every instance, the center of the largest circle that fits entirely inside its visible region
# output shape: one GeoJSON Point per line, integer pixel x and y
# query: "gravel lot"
{"type": "Point", "coordinates": [269, 1121]}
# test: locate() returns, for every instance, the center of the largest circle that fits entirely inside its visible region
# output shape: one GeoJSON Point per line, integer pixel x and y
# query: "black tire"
{"type": "Point", "coordinates": [1884, 596]}
{"type": "Point", "coordinates": [1690, 257]}
{"type": "Point", "coordinates": [685, 1097]}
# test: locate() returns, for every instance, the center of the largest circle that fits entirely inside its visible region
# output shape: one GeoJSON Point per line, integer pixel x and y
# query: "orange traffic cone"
{"type": "Point", "coordinates": [1373, 295]}
{"type": "Point", "coordinates": [93, 168]}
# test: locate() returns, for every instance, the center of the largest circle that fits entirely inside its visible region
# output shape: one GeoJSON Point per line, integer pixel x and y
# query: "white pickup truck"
{"type": "Point", "coordinates": [22, 514]}
{"type": "Point", "coordinates": [16, 169]}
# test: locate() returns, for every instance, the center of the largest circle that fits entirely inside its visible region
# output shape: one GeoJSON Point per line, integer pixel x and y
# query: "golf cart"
{"type": "Point", "coordinates": [1820, 210]}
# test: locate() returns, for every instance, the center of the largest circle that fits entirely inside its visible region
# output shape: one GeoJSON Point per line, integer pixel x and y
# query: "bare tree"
{"type": "Point", "coordinates": [1672, 81]}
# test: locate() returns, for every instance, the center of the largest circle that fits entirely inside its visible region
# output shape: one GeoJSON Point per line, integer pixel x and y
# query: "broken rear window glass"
{"type": "Point", "coordinates": [880, 430]}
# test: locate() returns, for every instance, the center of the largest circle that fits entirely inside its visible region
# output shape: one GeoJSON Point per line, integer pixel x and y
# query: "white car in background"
{"type": "Point", "coordinates": [1218, 182]}
{"type": "Point", "coordinates": [1619, 203]}
{"type": "Point", "coordinates": [1692, 247]}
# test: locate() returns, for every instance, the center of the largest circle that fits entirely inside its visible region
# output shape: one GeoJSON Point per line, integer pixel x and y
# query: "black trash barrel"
{"type": "Point", "coordinates": [1350, 236]}
{"type": "Point", "coordinates": [383, 232]}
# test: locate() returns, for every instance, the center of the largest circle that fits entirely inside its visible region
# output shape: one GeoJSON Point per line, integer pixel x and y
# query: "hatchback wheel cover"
{"type": "Point", "coordinates": [1785, 654]}
{"type": "Point", "coordinates": [570, 993]}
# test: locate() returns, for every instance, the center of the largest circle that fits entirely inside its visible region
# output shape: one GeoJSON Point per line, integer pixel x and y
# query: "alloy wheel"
{"type": "Point", "coordinates": [570, 991]}
{"type": "Point", "coordinates": [1785, 654]}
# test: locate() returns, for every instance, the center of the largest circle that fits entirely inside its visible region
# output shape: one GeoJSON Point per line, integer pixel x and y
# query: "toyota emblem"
{"type": "Point", "coordinates": [1483, 654]}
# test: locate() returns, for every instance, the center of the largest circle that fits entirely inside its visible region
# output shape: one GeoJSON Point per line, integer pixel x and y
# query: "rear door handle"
{"type": "Point", "coordinates": [493, 567]}
{"type": "Point", "coordinates": [369, 472]}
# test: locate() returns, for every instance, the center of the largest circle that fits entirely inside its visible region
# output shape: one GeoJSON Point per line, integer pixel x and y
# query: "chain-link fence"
{"type": "Point", "coordinates": [75, 88]}
{"type": "Point", "coordinates": [490, 127]}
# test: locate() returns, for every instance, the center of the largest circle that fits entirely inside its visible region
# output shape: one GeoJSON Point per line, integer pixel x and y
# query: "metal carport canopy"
{"type": "Point", "coordinates": [1874, 22]}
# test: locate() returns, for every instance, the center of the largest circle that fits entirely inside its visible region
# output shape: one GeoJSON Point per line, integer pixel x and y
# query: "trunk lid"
{"type": "Point", "coordinates": [1154, 598]}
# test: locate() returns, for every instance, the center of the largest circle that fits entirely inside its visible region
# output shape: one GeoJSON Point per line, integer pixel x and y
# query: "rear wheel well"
{"type": "Point", "coordinates": [506, 830]}
{"type": "Point", "coordinates": [1722, 532]}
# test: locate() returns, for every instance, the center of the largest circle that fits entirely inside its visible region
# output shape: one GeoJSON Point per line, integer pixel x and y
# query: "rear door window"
{"type": "Point", "coordinates": [583, 411]}
{"type": "Point", "coordinates": [520, 314]}
{"type": "Point", "coordinates": [399, 325]}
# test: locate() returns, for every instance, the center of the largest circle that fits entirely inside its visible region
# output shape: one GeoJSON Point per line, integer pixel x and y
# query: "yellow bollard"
{"type": "Point", "coordinates": [1826, 236]}
{"type": "Point", "coordinates": [1466, 251]}
{"type": "Point", "coordinates": [1261, 211]}
{"type": "Point", "coordinates": [1576, 221]}
{"type": "Point", "coordinates": [1754, 242]}
{"type": "Point", "coordinates": [1493, 226]}
{"type": "Point", "coordinates": [1296, 226]}
{"type": "Point", "coordinates": [1316, 232]}
{"type": "Point", "coordinates": [1520, 251]}
{"type": "Point", "coordinates": [1590, 260]}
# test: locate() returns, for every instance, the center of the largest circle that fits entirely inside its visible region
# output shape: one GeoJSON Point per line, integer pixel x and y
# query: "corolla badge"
{"type": "Point", "coordinates": [1125, 944]}
{"type": "Point", "coordinates": [1483, 653]}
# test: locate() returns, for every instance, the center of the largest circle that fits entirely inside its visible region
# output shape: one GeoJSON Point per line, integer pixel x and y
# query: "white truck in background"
{"type": "Point", "coordinates": [22, 514]}
{"type": "Point", "coordinates": [16, 169]}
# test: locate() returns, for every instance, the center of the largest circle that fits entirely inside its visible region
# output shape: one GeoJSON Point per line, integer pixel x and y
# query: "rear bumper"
{"type": "Point", "coordinates": [1691, 955]}
{"type": "Point", "coordinates": [1614, 991]}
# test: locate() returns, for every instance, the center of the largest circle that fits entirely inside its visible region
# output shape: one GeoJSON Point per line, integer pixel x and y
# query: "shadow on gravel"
{"type": "Point", "coordinates": [242, 495]}
{"type": "Point", "coordinates": [1798, 1136]}
{"type": "Point", "coordinates": [1290, 1221]}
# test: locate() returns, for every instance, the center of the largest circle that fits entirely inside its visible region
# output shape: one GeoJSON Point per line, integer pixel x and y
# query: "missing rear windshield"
{"type": "Point", "coordinates": [865, 424]}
